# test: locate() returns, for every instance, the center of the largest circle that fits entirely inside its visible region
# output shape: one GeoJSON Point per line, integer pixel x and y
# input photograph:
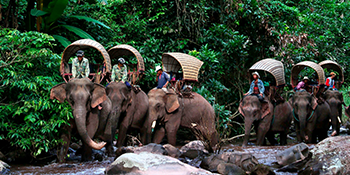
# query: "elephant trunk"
{"type": "Point", "coordinates": [80, 121]}
{"type": "Point", "coordinates": [149, 125]}
{"type": "Point", "coordinates": [302, 124]}
{"type": "Point", "coordinates": [248, 126]}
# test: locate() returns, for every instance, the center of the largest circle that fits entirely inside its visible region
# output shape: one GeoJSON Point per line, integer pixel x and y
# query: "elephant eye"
{"type": "Point", "coordinates": [158, 106]}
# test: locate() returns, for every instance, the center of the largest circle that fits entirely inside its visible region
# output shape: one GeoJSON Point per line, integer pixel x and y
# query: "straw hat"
{"type": "Point", "coordinates": [306, 78]}
{"type": "Point", "coordinates": [158, 68]}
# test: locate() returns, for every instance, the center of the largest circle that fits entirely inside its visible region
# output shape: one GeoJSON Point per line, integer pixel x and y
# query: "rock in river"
{"type": "Point", "coordinates": [149, 163]}
{"type": "Point", "coordinates": [4, 167]}
{"type": "Point", "coordinates": [330, 156]}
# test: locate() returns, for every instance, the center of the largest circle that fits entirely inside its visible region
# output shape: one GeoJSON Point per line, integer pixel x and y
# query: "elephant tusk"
{"type": "Point", "coordinates": [339, 119]}
{"type": "Point", "coordinates": [193, 124]}
{"type": "Point", "coordinates": [154, 124]}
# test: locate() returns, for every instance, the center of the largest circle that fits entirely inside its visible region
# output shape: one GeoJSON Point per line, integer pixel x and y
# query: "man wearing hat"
{"type": "Point", "coordinates": [119, 72]}
{"type": "Point", "coordinates": [256, 87]}
{"type": "Point", "coordinates": [330, 81]}
{"type": "Point", "coordinates": [302, 84]}
{"type": "Point", "coordinates": [80, 66]}
{"type": "Point", "coordinates": [162, 78]}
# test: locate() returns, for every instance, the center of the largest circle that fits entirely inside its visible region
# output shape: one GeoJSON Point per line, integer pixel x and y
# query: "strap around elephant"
{"type": "Point", "coordinates": [312, 113]}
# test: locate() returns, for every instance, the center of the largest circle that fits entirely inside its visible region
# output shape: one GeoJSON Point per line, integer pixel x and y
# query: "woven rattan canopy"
{"type": "Point", "coordinates": [174, 61]}
{"type": "Point", "coordinates": [126, 50]}
{"type": "Point", "coordinates": [81, 45]}
{"type": "Point", "coordinates": [300, 66]}
{"type": "Point", "coordinates": [335, 66]}
{"type": "Point", "coordinates": [274, 67]}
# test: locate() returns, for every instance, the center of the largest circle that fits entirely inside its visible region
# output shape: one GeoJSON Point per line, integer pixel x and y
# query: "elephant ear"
{"type": "Point", "coordinates": [126, 97]}
{"type": "Point", "coordinates": [171, 102]}
{"type": "Point", "coordinates": [98, 95]}
{"type": "Point", "coordinates": [59, 92]}
{"type": "Point", "coordinates": [314, 103]}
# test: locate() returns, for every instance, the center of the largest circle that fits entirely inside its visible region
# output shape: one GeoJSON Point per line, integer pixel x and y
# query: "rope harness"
{"type": "Point", "coordinates": [312, 113]}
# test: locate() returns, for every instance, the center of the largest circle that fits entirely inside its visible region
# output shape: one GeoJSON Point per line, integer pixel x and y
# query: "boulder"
{"type": "Point", "coordinates": [230, 169]}
{"type": "Point", "coordinates": [172, 151]}
{"type": "Point", "coordinates": [292, 154]}
{"type": "Point", "coordinates": [194, 145]}
{"type": "Point", "coordinates": [262, 170]}
{"type": "Point", "coordinates": [330, 156]}
{"type": "Point", "coordinates": [4, 167]}
{"type": "Point", "coordinates": [150, 163]}
{"type": "Point", "coordinates": [246, 161]}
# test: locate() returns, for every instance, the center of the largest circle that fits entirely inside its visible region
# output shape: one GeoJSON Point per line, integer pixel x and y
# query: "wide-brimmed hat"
{"type": "Point", "coordinates": [121, 60]}
{"type": "Point", "coordinates": [80, 53]}
{"type": "Point", "coordinates": [158, 68]}
{"type": "Point", "coordinates": [332, 73]}
{"type": "Point", "coordinates": [256, 73]}
{"type": "Point", "coordinates": [306, 78]}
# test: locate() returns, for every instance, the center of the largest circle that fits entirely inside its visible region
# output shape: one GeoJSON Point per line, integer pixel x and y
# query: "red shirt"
{"type": "Point", "coordinates": [256, 88]}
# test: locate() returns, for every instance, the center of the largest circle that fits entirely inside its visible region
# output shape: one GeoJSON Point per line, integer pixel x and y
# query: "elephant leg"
{"type": "Point", "coordinates": [109, 136]}
{"type": "Point", "coordinates": [92, 125]}
{"type": "Point", "coordinates": [123, 128]}
{"type": "Point", "coordinates": [283, 138]}
{"type": "Point", "coordinates": [66, 137]}
{"type": "Point", "coordinates": [271, 137]}
{"type": "Point", "coordinates": [262, 129]}
{"type": "Point", "coordinates": [171, 128]}
{"type": "Point", "coordinates": [159, 134]}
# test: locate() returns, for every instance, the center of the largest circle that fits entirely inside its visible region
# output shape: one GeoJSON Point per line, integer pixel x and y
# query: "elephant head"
{"type": "Point", "coordinates": [121, 98]}
{"type": "Point", "coordinates": [161, 102]}
{"type": "Point", "coordinates": [251, 109]}
{"type": "Point", "coordinates": [336, 102]}
{"type": "Point", "coordinates": [303, 105]}
{"type": "Point", "coordinates": [82, 95]}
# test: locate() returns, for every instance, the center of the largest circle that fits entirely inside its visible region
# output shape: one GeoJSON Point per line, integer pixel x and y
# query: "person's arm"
{"type": "Point", "coordinates": [167, 78]}
{"type": "Point", "coordinates": [327, 82]}
{"type": "Point", "coordinates": [113, 74]}
{"type": "Point", "coordinates": [250, 89]}
{"type": "Point", "coordinates": [125, 74]}
{"type": "Point", "coordinates": [87, 69]}
{"type": "Point", "coordinates": [262, 90]}
{"type": "Point", "coordinates": [74, 69]}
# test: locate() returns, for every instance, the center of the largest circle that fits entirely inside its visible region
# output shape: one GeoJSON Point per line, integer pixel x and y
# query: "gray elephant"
{"type": "Point", "coordinates": [129, 109]}
{"type": "Point", "coordinates": [335, 100]}
{"type": "Point", "coordinates": [311, 117]}
{"type": "Point", "coordinates": [167, 112]}
{"type": "Point", "coordinates": [84, 97]}
{"type": "Point", "coordinates": [266, 118]}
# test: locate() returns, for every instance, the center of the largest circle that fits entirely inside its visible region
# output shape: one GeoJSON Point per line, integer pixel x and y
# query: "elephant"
{"type": "Point", "coordinates": [130, 110]}
{"type": "Point", "coordinates": [335, 100]}
{"type": "Point", "coordinates": [266, 118]}
{"type": "Point", "coordinates": [311, 117]}
{"type": "Point", "coordinates": [168, 111]}
{"type": "Point", "coordinates": [84, 98]}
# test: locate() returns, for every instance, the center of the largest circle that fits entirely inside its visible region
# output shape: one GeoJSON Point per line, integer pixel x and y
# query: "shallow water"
{"type": "Point", "coordinates": [264, 154]}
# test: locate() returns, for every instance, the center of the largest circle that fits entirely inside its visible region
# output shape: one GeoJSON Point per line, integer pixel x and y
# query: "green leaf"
{"type": "Point", "coordinates": [57, 8]}
{"type": "Point", "coordinates": [36, 12]}
{"type": "Point", "coordinates": [78, 32]}
{"type": "Point", "coordinates": [64, 41]}
{"type": "Point", "coordinates": [88, 19]}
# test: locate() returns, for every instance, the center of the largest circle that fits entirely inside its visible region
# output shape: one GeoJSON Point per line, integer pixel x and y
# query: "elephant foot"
{"type": "Point", "coordinates": [334, 133]}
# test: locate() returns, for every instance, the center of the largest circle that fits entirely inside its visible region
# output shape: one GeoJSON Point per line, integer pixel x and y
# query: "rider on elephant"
{"type": "Point", "coordinates": [80, 66]}
{"type": "Point", "coordinates": [162, 78]}
{"type": "Point", "coordinates": [330, 81]}
{"type": "Point", "coordinates": [256, 87]}
{"type": "Point", "coordinates": [119, 72]}
{"type": "Point", "coordinates": [302, 85]}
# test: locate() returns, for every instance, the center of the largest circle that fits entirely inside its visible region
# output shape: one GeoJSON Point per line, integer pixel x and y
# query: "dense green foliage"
{"type": "Point", "coordinates": [228, 36]}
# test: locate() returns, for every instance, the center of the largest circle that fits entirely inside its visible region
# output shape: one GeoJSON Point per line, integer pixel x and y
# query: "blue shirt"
{"type": "Point", "coordinates": [260, 86]}
{"type": "Point", "coordinates": [164, 78]}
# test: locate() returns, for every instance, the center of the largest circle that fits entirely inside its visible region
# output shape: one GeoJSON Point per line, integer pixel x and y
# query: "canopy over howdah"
{"type": "Point", "coordinates": [274, 67]}
{"type": "Point", "coordinates": [334, 66]}
{"type": "Point", "coordinates": [126, 50]}
{"type": "Point", "coordinates": [174, 61]}
{"type": "Point", "coordinates": [300, 66]}
{"type": "Point", "coordinates": [82, 45]}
